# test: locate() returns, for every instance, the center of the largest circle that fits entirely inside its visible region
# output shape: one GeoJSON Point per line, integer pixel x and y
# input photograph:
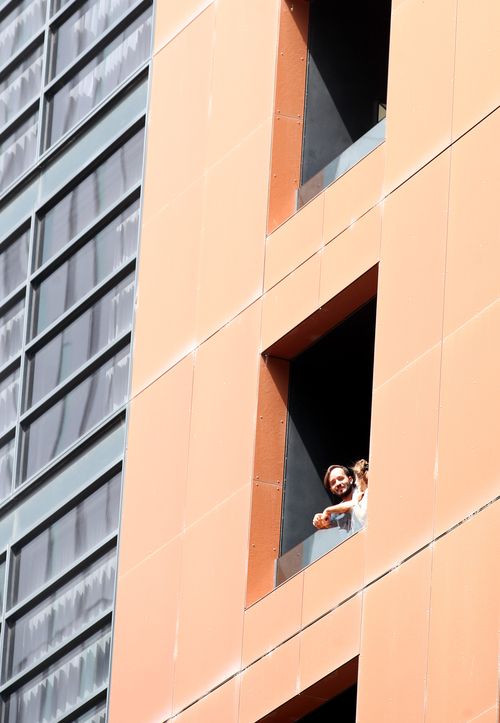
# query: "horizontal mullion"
{"type": "Point", "coordinates": [102, 41]}
{"type": "Point", "coordinates": [10, 365]}
{"type": "Point", "coordinates": [82, 305]}
{"type": "Point", "coordinates": [93, 228]}
{"type": "Point", "coordinates": [101, 548]}
{"type": "Point", "coordinates": [26, 112]}
{"type": "Point", "coordinates": [13, 298]}
{"type": "Point", "coordinates": [26, 49]}
{"type": "Point", "coordinates": [98, 697]}
{"type": "Point", "coordinates": [52, 657]}
{"type": "Point", "coordinates": [8, 434]}
{"type": "Point", "coordinates": [83, 372]}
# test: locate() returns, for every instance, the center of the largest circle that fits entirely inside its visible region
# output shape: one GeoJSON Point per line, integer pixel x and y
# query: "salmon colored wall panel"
{"type": "Point", "coordinates": [350, 254]}
{"type": "Point", "coordinates": [294, 242]}
{"type": "Point", "coordinates": [473, 256]}
{"type": "Point", "coordinates": [403, 459]}
{"type": "Point", "coordinates": [265, 531]}
{"type": "Point", "coordinates": [223, 414]}
{"type": "Point", "coordinates": [477, 88]}
{"type": "Point", "coordinates": [217, 707]}
{"type": "Point", "coordinates": [489, 716]}
{"type": "Point", "coordinates": [468, 426]}
{"type": "Point", "coordinates": [333, 578]}
{"type": "Point", "coordinates": [330, 642]}
{"type": "Point", "coordinates": [464, 624]}
{"type": "Point", "coordinates": [232, 264]}
{"type": "Point", "coordinates": [272, 620]}
{"type": "Point", "coordinates": [291, 301]}
{"type": "Point", "coordinates": [156, 465]}
{"type": "Point", "coordinates": [420, 85]}
{"type": "Point", "coordinates": [411, 281]}
{"type": "Point", "coordinates": [178, 114]}
{"type": "Point", "coordinates": [354, 193]}
{"type": "Point", "coordinates": [243, 72]}
{"type": "Point", "coordinates": [212, 598]}
{"type": "Point", "coordinates": [394, 645]}
{"type": "Point", "coordinates": [144, 638]}
{"type": "Point", "coordinates": [174, 16]}
{"type": "Point", "coordinates": [285, 169]}
{"type": "Point", "coordinates": [167, 284]}
{"type": "Point", "coordinates": [269, 682]}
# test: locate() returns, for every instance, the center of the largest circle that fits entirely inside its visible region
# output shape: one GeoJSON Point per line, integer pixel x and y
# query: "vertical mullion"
{"type": "Point", "coordinates": [41, 104]}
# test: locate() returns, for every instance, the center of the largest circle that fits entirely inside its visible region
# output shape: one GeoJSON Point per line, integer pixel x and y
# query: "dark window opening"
{"type": "Point", "coordinates": [346, 87]}
{"type": "Point", "coordinates": [342, 708]}
{"type": "Point", "coordinates": [329, 411]}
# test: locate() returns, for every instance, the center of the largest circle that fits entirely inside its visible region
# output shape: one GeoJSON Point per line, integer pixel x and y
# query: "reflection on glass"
{"type": "Point", "coordinates": [84, 27]}
{"type": "Point", "coordinates": [97, 714]}
{"type": "Point", "coordinates": [14, 264]}
{"type": "Point", "coordinates": [18, 151]}
{"type": "Point", "coordinates": [100, 77]}
{"type": "Point", "coordinates": [62, 614]}
{"type": "Point", "coordinates": [2, 585]}
{"type": "Point", "coordinates": [69, 480]}
{"type": "Point", "coordinates": [101, 256]}
{"type": "Point", "coordinates": [96, 193]}
{"type": "Point", "coordinates": [19, 26]}
{"type": "Point", "coordinates": [20, 86]}
{"type": "Point", "coordinates": [91, 332]}
{"type": "Point", "coordinates": [64, 684]}
{"type": "Point", "coordinates": [65, 541]}
{"type": "Point", "coordinates": [9, 394]}
{"type": "Point", "coordinates": [80, 410]}
{"type": "Point", "coordinates": [11, 332]}
{"type": "Point", "coordinates": [6, 468]}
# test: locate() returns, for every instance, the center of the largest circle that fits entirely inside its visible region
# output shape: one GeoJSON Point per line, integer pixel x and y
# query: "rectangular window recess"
{"type": "Point", "coordinates": [346, 90]}
{"type": "Point", "coordinates": [333, 698]}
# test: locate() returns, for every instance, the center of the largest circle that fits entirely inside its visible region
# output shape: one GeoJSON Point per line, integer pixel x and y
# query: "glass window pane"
{"type": "Point", "coordinates": [84, 27]}
{"type": "Point", "coordinates": [97, 714]}
{"type": "Point", "coordinates": [65, 541]}
{"type": "Point", "coordinates": [64, 684]}
{"type": "Point", "coordinates": [80, 410]}
{"type": "Point", "coordinates": [100, 77]}
{"type": "Point", "coordinates": [62, 614]}
{"type": "Point", "coordinates": [6, 468]}
{"type": "Point", "coordinates": [98, 258]}
{"type": "Point", "coordinates": [26, 18]}
{"type": "Point", "coordinates": [9, 395]}
{"type": "Point", "coordinates": [96, 193]}
{"type": "Point", "coordinates": [20, 86]}
{"type": "Point", "coordinates": [14, 264]}
{"type": "Point", "coordinates": [2, 585]}
{"type": "Point", "coordinates": [89, 334]}
{"type": "Point", "coordinates": [11, 332]}
{"type": "Point", "coordinates": [18, 151]}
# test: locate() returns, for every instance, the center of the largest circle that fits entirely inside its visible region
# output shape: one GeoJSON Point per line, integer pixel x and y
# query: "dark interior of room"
{"type": "Point", "coordinates": [341, 709]}
{"type": "Point", "coordinates": [329, 410]}
{"type": "Point", "coordinates": [346, 77]}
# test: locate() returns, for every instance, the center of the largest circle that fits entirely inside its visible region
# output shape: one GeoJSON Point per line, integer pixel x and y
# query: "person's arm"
{"type": "Point", "coordinates": [339, 509]}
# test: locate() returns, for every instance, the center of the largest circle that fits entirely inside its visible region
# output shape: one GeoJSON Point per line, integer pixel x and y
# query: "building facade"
{"type": "Point", "coordinates": [309, 198]}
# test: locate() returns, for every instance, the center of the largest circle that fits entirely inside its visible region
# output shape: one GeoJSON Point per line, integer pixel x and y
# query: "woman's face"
{"type": "Point", "coordinates": [340, 484]}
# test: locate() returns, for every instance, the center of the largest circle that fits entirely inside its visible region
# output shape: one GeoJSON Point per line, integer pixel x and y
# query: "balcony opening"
{"type": "Point", "coordinates": [346, 88]}
{"type": "Point", "coordinates": [332, 698]}
{"type": "Point", "coordinates": [314, 410]}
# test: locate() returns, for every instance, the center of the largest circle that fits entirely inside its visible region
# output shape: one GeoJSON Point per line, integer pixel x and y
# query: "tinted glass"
{"type": "Point", "coordinates": [80, 410]}
{"type": "Point", "coordinates": [14, 264]}
{"type": "Point", "coordinates": [11, 332]}
{"type": "Point", "coordinates": [84, 27]}
{"type": "Point", "coordinates": [96, 193]}
{"type": "Point", "coordinates": [62, 614]}
{"type": "Point", "coordinates": [18, 151]}
{"type": "Point", "coordinates": [20, 86]}
{"type": "Point", "coordinates": [100, 77]}
{"type": "Point", "coordinates": [105, 253]}
{"type": "Point", "coordinates": [6, 468]}
{"type": "Point", "coordinates": [9, 394]}
{"type": "Point", "coordinates": [91, 332]}
{"type": "Point", "coordinates": [26, 18]}
{"type": "Point", "coordinates": [67, 682]}
{"type": "Point", "coordinates": [65, 541]}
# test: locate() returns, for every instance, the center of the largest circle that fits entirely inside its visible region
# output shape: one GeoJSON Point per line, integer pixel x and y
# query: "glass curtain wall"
{"type": "Point", "coordinates": [73, 93]}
